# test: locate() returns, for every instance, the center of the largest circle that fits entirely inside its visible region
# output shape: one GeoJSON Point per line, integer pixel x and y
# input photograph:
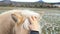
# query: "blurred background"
{"type": "Point", "coordinates": [50, 24]}
{"type": "Point", "coordinates": [31, 3]}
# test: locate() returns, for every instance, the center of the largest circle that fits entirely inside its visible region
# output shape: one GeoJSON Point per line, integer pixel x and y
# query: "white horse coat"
{"type": "Point", "coordinates": [7, 24]}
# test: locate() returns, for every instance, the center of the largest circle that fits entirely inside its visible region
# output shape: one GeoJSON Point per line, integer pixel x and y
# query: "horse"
{"type": "Point", "coordinates": [16, 21]}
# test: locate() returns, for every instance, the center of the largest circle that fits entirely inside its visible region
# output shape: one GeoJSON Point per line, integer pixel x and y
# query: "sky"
{"type": "Point", "coordinates": [36, 0]}
{"type": "Point", "coordinates": [25, 0]}
{"type": "Point", "coordinates": [49, 1]}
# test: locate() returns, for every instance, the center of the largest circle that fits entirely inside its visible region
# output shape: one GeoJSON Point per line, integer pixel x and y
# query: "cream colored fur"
{"type": "Point", "coordinates": [8, 25]}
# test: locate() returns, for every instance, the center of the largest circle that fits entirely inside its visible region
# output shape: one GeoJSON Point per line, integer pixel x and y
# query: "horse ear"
{"type": "Point", "coordinates": [14, 17]}
{"type": "Point", "coordinates": [19, 19]}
